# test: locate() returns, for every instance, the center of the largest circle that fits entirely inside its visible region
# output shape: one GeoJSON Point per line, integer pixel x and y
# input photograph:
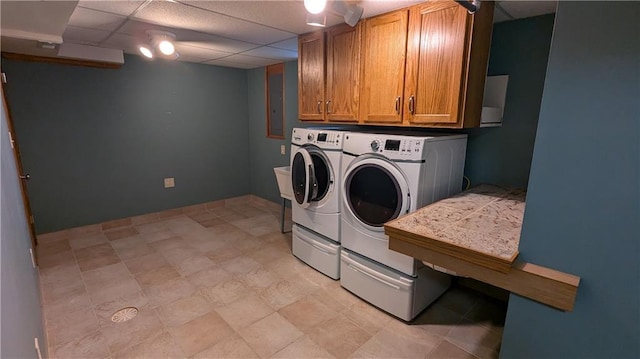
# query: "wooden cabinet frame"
{"type": "Point", "coordinates": [422, 66]}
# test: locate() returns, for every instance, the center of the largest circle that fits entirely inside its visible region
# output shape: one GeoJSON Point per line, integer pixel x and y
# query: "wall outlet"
{"type": "Point", "coordinates": [283, 150]}
{"type": "Point", "coordinates": [169, 182]}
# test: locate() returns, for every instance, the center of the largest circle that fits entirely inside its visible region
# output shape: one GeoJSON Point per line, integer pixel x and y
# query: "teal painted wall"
{"type": "Point", "coordinates": [99, 142]}
{"type": "Point", "coordinates": [265, 152]}
{"type": "Point", "coordinates": [583, 202]}
{"type": "Point", "coordinates": [502, 155]}
{"type": "Point", "coordinates": [20, 315]}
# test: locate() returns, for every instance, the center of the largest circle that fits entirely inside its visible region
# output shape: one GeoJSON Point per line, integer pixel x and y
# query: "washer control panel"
{"type": "Point", "coordinates": [327, 139]}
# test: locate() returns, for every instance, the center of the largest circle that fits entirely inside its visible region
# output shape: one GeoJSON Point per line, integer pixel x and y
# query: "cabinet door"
{"type": "Point", "coordinates": [383, 68]}
{"type": "Point", "coordinates": [436, 62]}
{"type": "Point", "coordinates": [343, 71]}
{"type": "Point", "coordinates": [311, 72]}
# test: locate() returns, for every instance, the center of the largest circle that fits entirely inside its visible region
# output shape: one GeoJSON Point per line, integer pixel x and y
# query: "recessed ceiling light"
{"type": "Point", "coordinates": [166, 47]}
{"type": "Point", "coordinates": [315, 6]}
{"type": "Point", "coordinates": [162, 42]}
{"type": "Point", "coordinates": [146, 52]}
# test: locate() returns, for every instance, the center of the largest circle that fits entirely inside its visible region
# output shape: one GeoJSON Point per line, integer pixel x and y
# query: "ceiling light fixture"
{"type": "Point", "coordinates": [146, 52]}
{"type": "Point", "coordinates": [315, 6]}
{"type": "Point", "coordinates": [166, 47]}
{"type": "Point", "coordinates": [161, 43]}
{"type": "Point", "coordinates": [351, 13]}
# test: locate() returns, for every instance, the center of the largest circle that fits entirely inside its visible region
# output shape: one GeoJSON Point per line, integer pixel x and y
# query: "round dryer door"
{"type": "Point", "coordinates": [376, 192]}
{"type": "Point", "coordinates": [311, 176]}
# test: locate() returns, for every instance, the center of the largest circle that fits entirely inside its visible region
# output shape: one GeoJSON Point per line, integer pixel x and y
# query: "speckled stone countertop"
{"type": "Point", "coordinates": [483, 221]}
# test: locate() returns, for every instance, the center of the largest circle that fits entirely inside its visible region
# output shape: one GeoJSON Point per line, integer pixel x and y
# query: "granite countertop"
{"type": "Point", "coordinates": [484, 221]}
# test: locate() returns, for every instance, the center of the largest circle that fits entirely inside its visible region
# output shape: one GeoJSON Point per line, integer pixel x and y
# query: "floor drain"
{"type": "Point", "coordinates": [124, 314]}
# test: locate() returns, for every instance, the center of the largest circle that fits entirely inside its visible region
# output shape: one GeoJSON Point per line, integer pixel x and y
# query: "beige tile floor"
{"type": "Point", "coordinates": [221, 282]}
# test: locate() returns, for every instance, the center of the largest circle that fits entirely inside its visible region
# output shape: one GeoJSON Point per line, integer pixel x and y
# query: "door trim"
{"type": "Point", "coordinates": [18, 161]}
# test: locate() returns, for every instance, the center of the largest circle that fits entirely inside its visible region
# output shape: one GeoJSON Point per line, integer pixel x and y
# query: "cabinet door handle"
{"type": "Point", "coordinates": [398, 105]}
{"type": "Point", "coordinates": [318, 106]}
{"type": "Point", "coordinates": [412, 104]}
{"type": "Point", "coordinates": [328, 108]}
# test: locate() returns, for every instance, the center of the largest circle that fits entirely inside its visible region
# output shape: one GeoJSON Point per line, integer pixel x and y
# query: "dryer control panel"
{"type": "Point", "coordinates": [400, 147]}
{"type": "Point", "coordinates": [404, 148]}
{"type": "Point", "coordinates": [410, 149]}
{"type": "Point", "coordinates": [394, 146]}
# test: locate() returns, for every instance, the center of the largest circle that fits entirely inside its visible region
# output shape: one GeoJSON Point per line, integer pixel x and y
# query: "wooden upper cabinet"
{"type": "Point", "coordinates": [435, 60]}
{"type": "Point", "coordinates": [421, 66]}
{"type": "Point", "coordinates": [311, 75]}
{"type": "Point", "coordinates": [444, 80]}
{"type": "Point", "coordinates": [328, 76]}
{"type": "Point", "coordinates": [383, 65]}
{"type": "Point", "coordinates": [343, 71]}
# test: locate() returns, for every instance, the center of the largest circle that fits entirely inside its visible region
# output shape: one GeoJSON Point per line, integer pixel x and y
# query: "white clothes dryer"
{"type": "Point", "coordinates": [315, 176]}
{"type": "Point", "coordinates": [386, 176]}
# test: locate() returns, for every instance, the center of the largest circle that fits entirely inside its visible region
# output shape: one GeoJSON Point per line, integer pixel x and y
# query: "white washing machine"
{"type": "Point", "coordinates": [316, 156]}
{"type": "Point", "coordinates": [384, 177]}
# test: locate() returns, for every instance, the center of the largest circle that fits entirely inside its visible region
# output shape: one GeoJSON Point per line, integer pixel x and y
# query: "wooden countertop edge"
{"type": "Point", "coordinates": [544, 285]}
{"type": "Point", "coordinates": [461, 252]}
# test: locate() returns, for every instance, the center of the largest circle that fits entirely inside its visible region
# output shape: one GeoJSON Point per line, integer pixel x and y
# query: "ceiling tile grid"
{"type": "Point", "coordinates": [86, 36]}
{"type": "Point", "coordinates": [124, 8]}
{"type": "Point", "coordinates": [242, 34]}
{"type": "Point", "coordinates": [94, 19]}
{"type": "Point", "coordinates": [273, 53]}
{"type": "Point", "coordinates": [290, 44]}
{"type": "Point", "coordinates": [183, 16]}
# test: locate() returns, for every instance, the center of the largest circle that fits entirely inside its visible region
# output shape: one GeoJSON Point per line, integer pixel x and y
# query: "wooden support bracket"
{"type": "Point", "coordinates": [547, 286]}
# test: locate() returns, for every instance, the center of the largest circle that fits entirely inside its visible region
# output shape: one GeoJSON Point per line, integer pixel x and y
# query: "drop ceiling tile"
{"type": "Point", "coordinates": [188, 17]}
{"type": "Point", "coordinates": [272, 53]}
{"type": "Point", "coordinates": [115, 7]}
{"type": "Point", "coordinates": [230, 64]}
{"type": "Point", "coordinates": [198, 54]}
{"type": "Point", "coordinates": [127, 43]}
{"type": "Point", "coordinates": [190, 59]}
{"type": "Point", "coordinates": [139, 28]}
{"type": "Point", "coordinates": [187, 37]}
{"type": "Point", "coordinates": [215, 43]}
{"type": "Point", "coordinates": [522, 9]}
{"type": "Point", "coordinates": [82, 35]}
{"type": "Point", "coordinates": [93, 19]}
{"type": "Point", "coordinates": [284, 15]}
{"type": "Point", "coordinates": [35, 20]}
{"type": "Point", "coordinates": [130, 44]}
{"type": "Point", "coordinates": [288, 44]}
{"type": "Point", "coordinates": [250, 60]}
{"type": "Point", "coordinates": [377, 7]}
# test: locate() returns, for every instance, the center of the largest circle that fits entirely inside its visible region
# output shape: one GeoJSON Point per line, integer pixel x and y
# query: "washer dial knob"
{"type": "Point", "coordinates": [375, 145]}
{"type": "Point", "coordinates": [310, 137]}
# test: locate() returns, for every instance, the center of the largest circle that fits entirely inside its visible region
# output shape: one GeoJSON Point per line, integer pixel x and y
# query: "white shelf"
{"type": "Point", "coordinates": [495, 94]}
